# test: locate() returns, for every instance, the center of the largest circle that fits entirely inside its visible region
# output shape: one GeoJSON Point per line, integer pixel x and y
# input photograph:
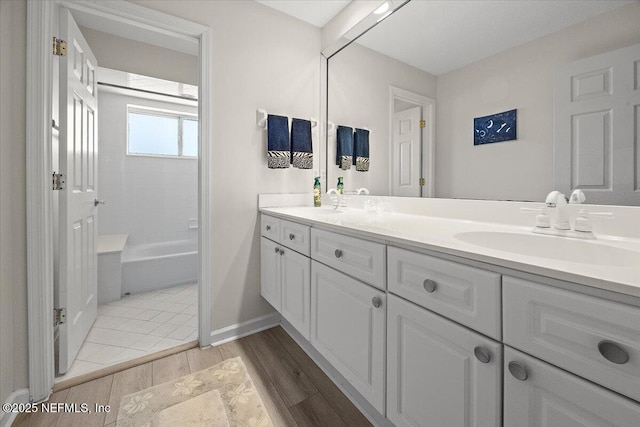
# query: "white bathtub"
{"type": "Point", "coordinates": [159, 265]}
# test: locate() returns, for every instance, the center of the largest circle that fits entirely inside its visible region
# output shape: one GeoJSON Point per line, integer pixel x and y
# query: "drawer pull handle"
{"type": "Point", "coordinates": [518, 371]}
{"type": "Point", "coordinates": [292, 236]}
{"type": "Point", "coordinates": [376, 301]}
{"type": "Point", "coordinates": [281, 251]}
{"type": "Point", "coordinates": [613, 352]}
{"type": "Point", "coordinates": [482, 354]}
{"type": "Point", "coordinates": [268, 227]}
{"type": "Point", "coordinates": [277, 250]}
{"type": "Point", "coordinates": [338, 253]}
{"type": "Point", "coordinates": [429, 285]}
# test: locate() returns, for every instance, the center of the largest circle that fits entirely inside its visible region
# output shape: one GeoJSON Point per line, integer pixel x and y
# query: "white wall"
{"type": "Point", "coordinates": [149, 198]}
{"type": "Point", "coordinates": [520, 78]}
{"type": "Point", "coordinates": [145, 59]}
{"type": "Point", "coordinates": [13, 270]}
{"type": "Point", "coordinates": [261, 59]}
{"type": "Point", "coordinates": [359, 80]}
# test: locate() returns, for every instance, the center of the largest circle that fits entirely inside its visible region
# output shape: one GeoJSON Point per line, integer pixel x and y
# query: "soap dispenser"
{"type": "Point", "coordinates": [317, 193]}
{"type": "Point", "coordinates": [340, 185]}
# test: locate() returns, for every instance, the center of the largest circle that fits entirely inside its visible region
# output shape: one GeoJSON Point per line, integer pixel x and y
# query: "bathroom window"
{"type": "Point", "coordinates": [162, 133]}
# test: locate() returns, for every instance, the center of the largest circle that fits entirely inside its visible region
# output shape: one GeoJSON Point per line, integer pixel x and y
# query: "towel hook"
{"type": "Point", "coordinates": [261, 118]}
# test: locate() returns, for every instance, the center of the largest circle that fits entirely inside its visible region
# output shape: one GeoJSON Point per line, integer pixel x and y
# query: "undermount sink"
{"type": "Point", "coordinates": [551, 247]}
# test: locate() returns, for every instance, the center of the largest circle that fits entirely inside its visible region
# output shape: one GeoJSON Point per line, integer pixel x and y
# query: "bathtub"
{"type": "Point", "coordinates": [155, 266]}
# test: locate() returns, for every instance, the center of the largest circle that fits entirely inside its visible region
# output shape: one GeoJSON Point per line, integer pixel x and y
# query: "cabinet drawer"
{"type": "Point", "coordinates": [467, 295]}
{"type": "Point", "coordinates": [549, 396]}
{"type": "Point", "coordinates": [348, 327]}
{"type": "Point", "coordinates": [358, 258]}
{"type": "Point", "coordinates": [434, 377]}
{"type": "Point", "coordinates": [270, 227]}
{"type": "Point", "coordinates": [591, 337]}
{"type": "Point", "coordinates": [295, 236]}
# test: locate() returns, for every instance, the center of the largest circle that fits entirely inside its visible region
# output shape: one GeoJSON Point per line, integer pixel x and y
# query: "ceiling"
{"type": "Point", "coordinates": [441, 36]}
{"type": "Point", "coordinates": [315, 12]}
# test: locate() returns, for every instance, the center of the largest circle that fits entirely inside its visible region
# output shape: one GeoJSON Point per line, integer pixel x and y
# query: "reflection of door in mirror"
{"type": "Point", "coordinates": [406, 155]}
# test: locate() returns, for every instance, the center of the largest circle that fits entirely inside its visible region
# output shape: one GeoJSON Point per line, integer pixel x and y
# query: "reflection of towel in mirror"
{"type": "Point", "coordinates": [344, 147]}
{"type": "Point", "coordinates": [278, 150]}
{"type": "Point", "coordinates": [301, 147]}
{"type": "Point", "coordinates": [361, 150]}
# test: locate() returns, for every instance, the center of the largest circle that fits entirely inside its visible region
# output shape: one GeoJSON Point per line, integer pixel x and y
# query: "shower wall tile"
{"type": "Point", "coordinates": [151, 199]}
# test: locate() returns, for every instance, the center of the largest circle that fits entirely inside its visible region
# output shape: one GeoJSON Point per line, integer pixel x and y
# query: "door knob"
{"type": "Point", "coordinates": [613, 352]}
{"type": "Point", "coordinates": [277, 250]}
{"type": "Point", "coordinates": [268, 227]}
{"type": "Point", "coordinates": [376, 301]}
{"type": "Point", "coordinates": [97, 202]}
{"type": "Point", "coordinates": [482, 354]}
{"type": "Point", "coordinates": [292, 236]}
{"type": "Point", "coordinates": [338, 253]}
{"type": "Point", "coordinates": [429, 285]}
{"type": "Point", "coordinates": [518, 371]}
{"type": "Point", "coordinates": [281, 251]}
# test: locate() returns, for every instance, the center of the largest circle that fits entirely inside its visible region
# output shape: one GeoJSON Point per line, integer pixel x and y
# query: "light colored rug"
{"type": "Point", "coordinates": [220, 396]}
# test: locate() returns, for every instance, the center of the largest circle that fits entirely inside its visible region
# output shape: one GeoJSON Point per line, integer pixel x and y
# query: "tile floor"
{"type": "Point", "coordinates": [138, 325]}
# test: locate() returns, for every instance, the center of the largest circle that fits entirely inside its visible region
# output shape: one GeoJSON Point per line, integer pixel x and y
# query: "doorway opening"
{"type": "Point", "coordinates": [412, 134]}
{"type": "Point", "coordinates": [75, 184]}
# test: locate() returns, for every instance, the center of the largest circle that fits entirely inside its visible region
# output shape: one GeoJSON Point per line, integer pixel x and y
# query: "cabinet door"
{"type": "Point", "coordinates": [296, 290]}
{"type": "Point", "coordinates": [270, 272]}
{"type": "Point", "coordinates": [348, 327]}
{"type": "Point", "coordinates": [433, 375]}
{"type": "Point", "coordinates": [547, 396]}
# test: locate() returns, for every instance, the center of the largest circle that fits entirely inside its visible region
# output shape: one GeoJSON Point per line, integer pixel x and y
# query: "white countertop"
{"type": "Point", "coordinates": [111, 243]}
{"type": "Point", "coordinates": [609, 263]}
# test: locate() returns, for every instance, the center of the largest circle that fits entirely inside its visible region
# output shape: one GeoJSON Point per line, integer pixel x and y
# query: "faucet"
{"type": "Point", "coordinates": [338, 199]}
{"type": "Point", "coordinates": [362, 190]}
{"type": "Point", "coordinates": [557, 200]}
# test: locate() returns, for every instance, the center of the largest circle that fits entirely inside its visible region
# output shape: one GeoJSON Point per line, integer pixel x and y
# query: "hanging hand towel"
{"type": "Point", "coordinates": [301, 148]}
{"type": "Point", "coordinates": [344, 147]}
{"type": "Point", "coordinates": [278, 148]}
{"type": "Point", "coordinates": [361, 150]}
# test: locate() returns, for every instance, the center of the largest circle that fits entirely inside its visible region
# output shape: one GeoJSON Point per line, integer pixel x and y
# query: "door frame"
{"type": "Point", "coordinates": [428, 135]}
{"type": "Point", "coordinates": [40, 15]}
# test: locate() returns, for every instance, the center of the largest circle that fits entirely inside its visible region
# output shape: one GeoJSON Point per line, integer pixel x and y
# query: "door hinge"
{"type": "Point", "coordinates": [422, 123]}
{"type": "Point", "coordinates": [59, 316]}
{"type": "Point", "coordinates": [59, 47]}
{"type": "Point", "coordinates": [57, 181]}
{"type": "Point", "coordinates": [421, 182]}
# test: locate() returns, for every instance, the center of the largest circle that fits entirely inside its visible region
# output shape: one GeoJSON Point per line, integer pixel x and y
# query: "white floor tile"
{"type": "Point", "coordinates": [106, 355]}
{"type": "Point", "coordinates": [129, 354]}
{"type": "Point", "coordinates": [129, 325]}
{"type": "Point", "coordinates": [146, 343]}
{"type": "Point", "coordinates": [88, 349]}
{"type": "Point", "coordinates": [165, 344]}
{"type": "Point", "coordinates": [162, 317]}
{"type": "Point", "coordinates": [181, 333]}
{"type": "Point", "coordinates": [179, 319]}
{"type": "Point", "coordinates": [191, 309]}
{"type": "Point", "coordinates": [80, 367]}
{"type": "Point", "coordinates": [146, 327]}
{"type": "Point", "coordinates": [147, 314]}
{"type": "Point", "coordinates": [163, 330]}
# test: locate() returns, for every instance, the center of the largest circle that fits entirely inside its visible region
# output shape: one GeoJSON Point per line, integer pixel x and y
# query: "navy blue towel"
{"type": "Point", "coordinates": [301, 147]}
{"type": "Point", "coordinates": [344, 147]}
{"type": "Point", "coordinates": [278, 148]}
{"type": "Point", "coordinates": [361, 150]}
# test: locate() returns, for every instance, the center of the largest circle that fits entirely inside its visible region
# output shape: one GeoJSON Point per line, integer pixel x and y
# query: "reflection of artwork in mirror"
{"type": "Point", "coordinates": [495, 128]}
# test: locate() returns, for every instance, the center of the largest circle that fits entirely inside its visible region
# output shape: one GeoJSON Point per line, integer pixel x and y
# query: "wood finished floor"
{"type": "Point", "coordinates": [293, 388]}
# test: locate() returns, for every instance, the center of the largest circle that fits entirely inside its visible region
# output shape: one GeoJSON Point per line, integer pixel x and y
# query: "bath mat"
{"type": "Point", "coordinates": [220, 396]}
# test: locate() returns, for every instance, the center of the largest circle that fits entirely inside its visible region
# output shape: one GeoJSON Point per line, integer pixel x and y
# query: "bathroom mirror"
{"type": "Point", "coordinates": [437, 81]}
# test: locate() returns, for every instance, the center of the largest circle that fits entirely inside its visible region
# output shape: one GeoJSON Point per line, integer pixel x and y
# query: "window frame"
{"type": "Point", "coordinates": [161, 112]}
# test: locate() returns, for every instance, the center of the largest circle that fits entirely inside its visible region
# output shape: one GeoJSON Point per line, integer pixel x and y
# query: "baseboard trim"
{"type": "Point", "coordinates": [243, 329]}
{"type": "Point", "coordinates": [341, 382]}
{"type": "Point", "coordinates": [18, 396]}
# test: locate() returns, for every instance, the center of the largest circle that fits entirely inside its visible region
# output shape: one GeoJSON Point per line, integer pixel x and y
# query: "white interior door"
{"type": "Point", "coordinates": [597, 127]}
{"type": "Point", "coordinates": [406, 157]}
{"type": "Point", "coordinates": [77, 273]}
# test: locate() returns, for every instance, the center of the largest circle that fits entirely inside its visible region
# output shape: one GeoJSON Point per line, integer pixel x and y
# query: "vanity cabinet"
{"type": "Point", "coordinates": [285, 274]}
{"type": "Point", "coordinates": [538, 394]}
{"type": "Point", "coordinates": [591, 337]}
{"type": "Point", "coordinates": [438, 372]}
{"type": "Point", "coordinates": [348, 329]}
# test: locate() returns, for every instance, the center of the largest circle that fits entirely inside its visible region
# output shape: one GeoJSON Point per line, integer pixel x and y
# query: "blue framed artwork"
{"type": "Point", "coordinates": [495, 128]}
